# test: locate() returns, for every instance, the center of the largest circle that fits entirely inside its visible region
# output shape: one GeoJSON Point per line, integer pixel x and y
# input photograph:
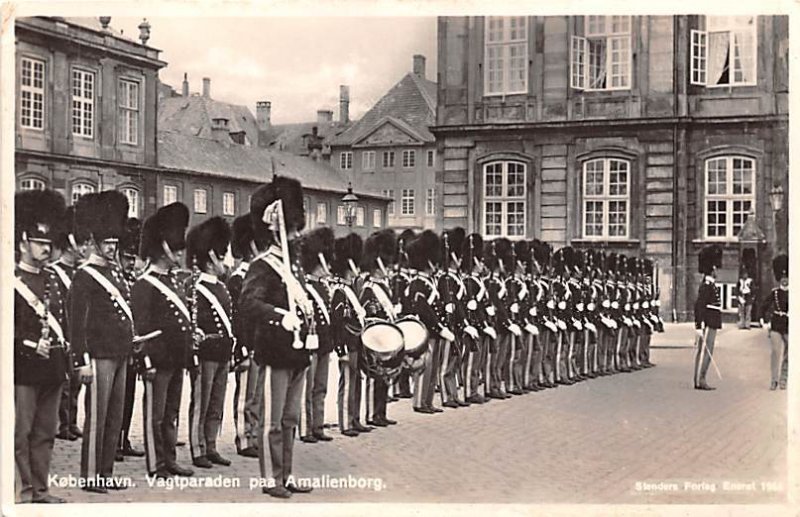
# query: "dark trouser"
{"type": "Point", "coordinates": [644, 346]}
{"type": "Point", "coordinates": [473, 366]}
{"type": "Point", "coordinates": [127, 407]}
{"type": "Point", "coordinates": [104, 400]}
{"type": "Point", "coordinates": [548, 338]}
{"type": "Point", "coordinates": [634, 344]}
{"type": "Point", "coordinates": [574, 351]}
{"type": "Point", "coordinates": [402, 385]}
{"type": "Point", "coordinates": [517, 355]}
{"type": "Point", "coordinates": [206, 406]}
{"type": "Point", "coordinates": [745, 314]}
{"type": "Point", "coordinates": [702, 357]}
{"type": "Point", "coordinates": [621, 347]}
{"type": "Point", "coordinates": [316, 387]}
{"type": "Point", "coordinates": [499, 363]}
{"type": "Point", "coordinates": [377, 398]}
{"type": "Point", "coordinates": [245, 412]}
{"type": "Point", "coordinates": [448, 372]}
{"type": "Point", "coordinates": [282, 411]}
{"type": "Point", "coordinates": [68, 408]}
{"type": "Point", "coordinates": [349, 396]}
{"type": "Point", "coordinates": [162, 400]}
{"type": "Point", "coordinates": [35, 426]}
{"type": "Point", "coordinates": [431, 372]}
{"type": "Point", "coordinates": [536, 354]}
{"type": "Point", "coordinates": [562, 354]}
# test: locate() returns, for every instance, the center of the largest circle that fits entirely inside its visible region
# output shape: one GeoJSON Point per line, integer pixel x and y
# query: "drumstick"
{"type": "Point", "coordinates": [147, 337]}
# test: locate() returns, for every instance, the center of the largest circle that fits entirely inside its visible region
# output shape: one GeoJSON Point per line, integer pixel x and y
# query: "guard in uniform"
{"type": "Point", "coordinates": [496, 364]}
{"type": "Point", "coordinates": [210, 306]}
{"type": "Point", "coordinates": [707, 313]}
{"type": "Point", "coordinates": [40, 358]}
{"type": "Point", "coordinates": [476, 346]}
{"type": "Point", "coordinates": [101, 323]}
{"type": "Point", "coordinates": [776, 312]}
{"type": "Point", "coordinates": [746, 288]}
{"type": "Point", "coordinates": [400, 279]}
{"type": "Point", "coordinates": [159, 305]}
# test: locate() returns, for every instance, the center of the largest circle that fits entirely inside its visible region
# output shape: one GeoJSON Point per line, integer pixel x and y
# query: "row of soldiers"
{"type": "Point", "coordinates": [501, 319]}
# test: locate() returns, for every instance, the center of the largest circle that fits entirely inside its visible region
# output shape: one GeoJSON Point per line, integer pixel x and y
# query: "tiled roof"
{"type": "Point", "coordinates": [179, 151]}
{"type": "Point", "coordinates": [192, 116]}
{"type": "Point", "coordinates": [290, 137]}
{"type": "Point", "coordinates": [412, 100]}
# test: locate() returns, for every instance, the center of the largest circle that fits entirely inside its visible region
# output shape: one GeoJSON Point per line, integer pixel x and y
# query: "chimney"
{"type": "Point", "coordinates": [324, 116]}
{"type": "Point", "coordinates": [219, 130]}
{"type": "Point", "coordinates": [419, 66]}
{"type": "Point", "coordinates": [185, 89]}
{"type": "Point", "coordinates": [263, 122]}
{"type": "Point", "coordinates": [206, 87]}
{"type": "Point", "coordinates": [344, 104]}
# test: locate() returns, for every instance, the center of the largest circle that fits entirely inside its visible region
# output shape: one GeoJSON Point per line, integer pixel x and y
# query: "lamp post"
{"type": "Point", "coordinates": [350, 201]}
{"type": "Point", "coordinates": [776, 200]}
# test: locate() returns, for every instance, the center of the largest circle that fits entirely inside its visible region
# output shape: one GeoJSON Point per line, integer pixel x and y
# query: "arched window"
{"type": "Point", "coordinates": [730, 195]}
{"type": "Point", "coordinates": [504, 199]}
{"type": "Point", "coordinates": [81, 189]}
{"type": "Point", "coordinates": [133, 201]}
{"type": "Point", "coordinates": [31, 184]}
{"type": "Point", "coordinates": [606, 198]}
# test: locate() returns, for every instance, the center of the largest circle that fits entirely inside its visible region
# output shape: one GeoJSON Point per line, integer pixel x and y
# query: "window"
{"type": "Point", "coordinates": [346, 160]}
{"type": "Point", "coordinates": [228, 203]}
{"type": "Point", "coordinates": [322, 213]}
{"type": "Point", "coordinates": [377, 218]}
{"type": "Point", "coordinates": [602, 59]}
{"type": "Point", "coordinates": [430, 200]}
{"type": "Point", "coordinates": [128, 112]}
{"type": "Point", "coordinates": [407, 202]}
{"type": "Point", "coordinates": [506, 55]}
{"type": "Point", "coordinates": [725, 53]}
{"type": "Point", "coordinates": [32, 184]}
{"type": "Point", "coordinates": [170, 194]}
{"type": "Point", "coordinates": [605, 198]}
{"type": "Point", "coordinates": [341, 214]}
{"type": "Point", "coordinates": [368, 161]}
{"type": "Point", "coordinates": [200, 201]}
{"type": "Point", "coordinates": [390, 194]}
{"type": "Point", "coordinates": [83, 103]}
{"type": "Point", "coordinates": [409, 158]}
{"type": "Point", "coordinates": [360, 215]}
{"type": "Point", "coordinates": [388, 159]}
{"type": "Point", "coordinates": [430, 157]}
{"type": "Point", "coordinates": [730, 195]}
{"type": "Point", "coordinates": [307, 211]}
{"type": "Point", "coordinates": [504, 199]}
{"type": "Point", "coordinates": [32, 94]}
{"type": "Point", "coordinates": [133, 201]}
{"type": "Point", "coordinates": [81, 189]}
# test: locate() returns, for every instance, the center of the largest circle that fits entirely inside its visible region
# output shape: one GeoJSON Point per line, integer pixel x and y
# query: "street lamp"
{"type": "Point", "coordinates": [350, 201]}
{"type": "Point", "coordinates": [776, 200]}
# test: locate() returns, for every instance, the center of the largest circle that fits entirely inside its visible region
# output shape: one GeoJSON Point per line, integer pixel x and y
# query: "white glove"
{"type": "Point", "coordinates": [551, 305]}
{"type": "Point", "coordinates": [590, 307]}
{"type": "Point", "coordinates": [490, 332]}
{"type": "Point", "coordinates": [561, 324]}
{"type": "Point", "coordinates": [562, 305]}
{"type": "Point", "coordinates": [290, 322]}
{"type": "Point", "coordinates": [699, 333]}
{"type": "Point", "coordinates": [514, 328]}
{"type": "Point", "coordinates": [450, 308]}
{"type": "Point", "coordinates": [398, 308]}
{"type": "Point", "coordinates": [86, 374]}
{"type": "Point", "coordinates": [615, 305]}
{"type": "Point", "coordinates": [606, 304]}
{"type": "Point", "coordinates": [530, 328]}
{"type": "Point", "coordinates": [472, 332]}
{"type": "Point", "coordinates": [532, 311]}
{"type": "Point", "coordinates": [472, 305]}
{"type": "Point", "coordinates": [447, 334]}
{"type": "Point", "coordinates": [490, 311]}
{"type": "Point", "coordinates": [515, 307]}
{"type": "Point", "coordinates": [577, 324]}
{"type": "Point", "coordinates": [579, 306]}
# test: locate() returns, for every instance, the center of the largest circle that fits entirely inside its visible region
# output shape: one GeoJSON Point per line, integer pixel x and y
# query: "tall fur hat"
{"type": "Point", "coordinates": [634, 266]}
{"type": "Point", "coordinates": [242, 236]}
{"type": "Point", "coordinates": [610, 265]}
{"type": "Point", "coordinates": [471, 249]}
{"type": "Point", "coordinates": [318, 240]}
{"type": "Point", "coordinates": [425, 248]}
{"type": "Point", "coordinates": [749, 261]}
{"type": "Point", "coordinates": [102, 216]}
{"type": "Point", "coordinates": [542, 253]}
{"type": "Point", "coordinates": [455, 243]}
{"type": "Point", "coordinates": [213, 234]}
{"type": "Point", "coordinates": [38, 214]}
{"type": "Point", "coordinates": [621, 266]}
{"type": "Point", "coordinates": [291, 192]}
{"type": "Point", "coordinates": [522, 251]}
{"type": "Point", "coordinates": [780, 266]}
{"type": "Point", "coordinates": [710, 257]}
{"type": "Point", "coordinates": [129, 243]}
{"type": "Point", "coordinates": [647, 268]}
{"type": "Point", "coordinates": [349, 247]}
{"type": "Point", "coordinates": [503, 251]}
{"type": "Point", "coordinates": [383, 244]}
{"type": "Point", "coordinates": [403, 240]}
{"type": "Point", "coordinates": [167, 224]}
{"type": "Point", "coordinates": [65, 229]}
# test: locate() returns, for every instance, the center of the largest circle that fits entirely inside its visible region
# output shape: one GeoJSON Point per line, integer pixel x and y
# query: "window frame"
{"type": "Point", "coordinates": [729, 198]}
{"type": "Point", "coordinates": [129, 113]}
{"type": "Point", "coordinates": [228, 195]}
{"type": "Point", "coordinates": [133, 201]}
{"type": "Point", "coordinates": [377, 218]}
{"type": "Point", "coordinates": [32, 181]}
{"type": "Point", "coordinates": [83, 102]}
{"type": "Point", "coordinates": [505, 44]}
{"type": "Point", "coordinates": [368, 160]}
{"type": "Point", "coordinates": [81, 185]}
{"type": "Point", "coordinates": [430, 158]}
{"type": "Point", "coordinates": [408, 200]}
{"type": "Point", "coordinates": [579, 54]}
{"type": "Point", "coordinates": [699, 44]}
{"type": "Point", "coordinates": [504, 199]}
{"type": "Point", "coordinates": [390, 208]}
{"type": "Point", "coordinates": [409, 158]}
{"type": "Point", "coordinates": [33, 91]}
{"type": "Point", "coordinates": [430, 201]}
{"type": "Point", "coordinates": [346, 160]}
{"type": "Point", "coordinates": [361, 216]}
{"type": "Point", "coordinates": [322, 217]}
{"type": "Point", "coordinates": [172, 188]}
{"type": "Point", "coordinates": [605, 198]}
{"type": "Point", "coordinates": [204, 197]}
{"type": "Point", "coordinates": [392, 160]}
{"type": "Point", "coordinates": [341, 215]}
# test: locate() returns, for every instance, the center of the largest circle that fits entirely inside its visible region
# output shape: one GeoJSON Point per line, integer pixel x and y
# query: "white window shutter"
{"type": "Point", "coordinates": [699, 57]}
{"type": "Point", "coordinates": [577, 60]}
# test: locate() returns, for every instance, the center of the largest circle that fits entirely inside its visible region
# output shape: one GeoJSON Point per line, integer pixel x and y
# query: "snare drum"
{"type": "Point", "coordinates": [415, 336]}
{"type": "Point", "coordinates": [383, 349]}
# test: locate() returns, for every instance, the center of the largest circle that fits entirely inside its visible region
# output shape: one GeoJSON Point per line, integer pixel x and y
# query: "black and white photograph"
{"type": "Point", "coordinates": [519, 254]}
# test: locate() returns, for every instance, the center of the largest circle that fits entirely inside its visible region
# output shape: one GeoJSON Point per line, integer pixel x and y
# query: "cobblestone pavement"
{"type": "Point", "coordinates": [587, 443]}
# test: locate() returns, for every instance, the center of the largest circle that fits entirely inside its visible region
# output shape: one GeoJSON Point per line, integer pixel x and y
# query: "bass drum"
{"type": "Point", "coordinates": [415, 336]}
{"type": "Point", "coordinates": [383, 349]}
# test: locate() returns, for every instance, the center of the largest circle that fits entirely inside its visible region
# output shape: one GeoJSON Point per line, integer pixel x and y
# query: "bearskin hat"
{"type": "Point", "coordinates": [634, 266]}
{"type": "Point", "coordinates": [403, 240]}
{"type": "Point", "coordinates": [647, 268]}
{"type": "Point", "coordinates": [454, 243]}
{"type": "Point", "coordinates": [780, 266]}
{"type": "Point", "coordinates": [610, 264]}
{"type": "Point", "coordinates": [522, 251]}
{"type": "Point", "coordinates": [213, 234]}
{"type": "Point", "coordinates": [503, 251]}
{"type": "Point", "coordinates": [424, 249]}
{"type": "Point", "coordinates": [749, 261]}
{"type": "Point", "coordinates": [167, 224]}
{"type": "Point", "coordinates": [38, 214]}
{"type": "Point", "coordinates": [383, 244]}
{"type": "Point", "coordinates": [242, 237]}
{"type": "Point", "coordinates": [541, 253]}
{"type": "Point", "coordinates": [709, 258]}
{"type": "Point", "coordinates": [65, 229]}
{"type": "Point", "coordinates": [621, 266]}
{"type": "Point", "coordinates": [291, 193]}
{"type": "Point", "coordinates": [129, 243]}
{"type": "Point", "coordinates": [471, 249]}
{"type": "Point", "coordinates": [311, 244]}
{"type": "Point", "coordinates": [346, 249]}
{"type": "Point", "coordinates": [102, 216]}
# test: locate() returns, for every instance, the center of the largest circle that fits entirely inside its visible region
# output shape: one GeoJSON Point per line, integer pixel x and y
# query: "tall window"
{"type": "Point", "coordinates": [128, 96]}
{"type": "Point", "coordinates": [228, 203]}
{"type": "Point", "coordinates": [601, 60]}
{"type": "Point", "coordinates": [32, 93]}
{"type": "Point", "coordinates": [200, 201]}
{"type": "Point", "coordinates": [504, 199]}
{"type": "Point", "coordinates": [409, 158]}
{"type": "Point", "coordinates": [725, 54]}
{"type": "Point", "coordinates": [390, 194]}
{"type": "Point", "coordinates": [606, 191]}
{"type": "Point", "coordinates": [430, 201]}
{"type": "Point", "coordinates": [388, 159]}
{"type": "Point", "coordinates": [341, 214]}
{"type": "Point", "coordinates": [506, 55]}
{"type": "Point", "coordinates": [346, 160]}
{"type": "Point", "coordinates": [83, 103]}
{"type": "Point", "coordinates": [133, 201]}
{"type": "Point", "coordinates": [431, 157]}
{"type": "Point", "coordinates": [377, 218]}
{"type": "Point", "coordinates": [360, 215]}
{"type": "Point", "coordinates": [81, 189]}
{"type": "Point", "coordinates": [322, 213]}
{"type": "Point", "coordinates": [368, 160]}
{"type": "Point", "coordinates": [31, 184]}
{"type": "Point", "coordinates": [407, 202]}
{"type": "Point", "coordinates": [730, 195]}
{"type": "Point", "coordinates": [307, 211]}
{"type": "Point", "coordinates": [170, 194]}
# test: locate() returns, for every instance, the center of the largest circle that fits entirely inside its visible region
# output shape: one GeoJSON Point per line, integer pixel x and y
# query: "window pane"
{"type": "Point", "coordinates": [494, 218]}
{"type": "Point", "coordinates": [515, 222]}
{"type": "Point", "coordinates": [517, 67]}
{"type": "Point", "coordinates": [377, 218]}
{"type": "Point", "coordinates": [739, 215]}
{"type": "Point", "coordinates": [594, 178]}
{"type": "Point", "coordinates": [81, 189]}
{"type": "Point", "coordinates": [170, 194]}
{"type": "Point", "coordinates": [717, 182]}
{"type": "Point", "coordinates": [742, 176]}
{"type": "Point", "coordinates": [228, 203]}
{"type": "Point", "coordinates": [617, 218]}
{"type": "Point", "coordinates": [716, 220]}
{"type": "Point", "coordinates": [516, 179]}
{"type": "Point", "coordinates": [133, 201]}
{"type": "Point", "coordinates": [200, 201]}
{"type": "Point", "coordinates": [593, 218]}
{"type": "Point", "coordinates": [494, 179]}
{"type": "Point", "coordinates": [618, 178]}
{"type": "Point", "coordinates": [322, 213]}
{"type": "Point", "coordinates": [620, 57]}
{"type": "Point", "coordinates": [597, 63]}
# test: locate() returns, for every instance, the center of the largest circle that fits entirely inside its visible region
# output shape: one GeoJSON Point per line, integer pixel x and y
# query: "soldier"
{"type": "Point", "coordinates": [276, 307]}
{"type": "Point", "coordinates": [159, 306]}
{"type": "Point", "coordinates": [495, 253]}
{"type": "Point", "coordinates": [245, 421]}
{"type": "Point", "coordinates": [516, 303]}
{"type": "Point", "coordinates": [210, 306]}
{"type": "Point", "coordinates": [707, 313]}
{"type": "Point", "coordinates": [40, 356]}
{"type": "Point", "coordinates": [776, 312]}
{"type": "Point", "coordinates": [101, 323]}
{"type": "Point", "coordinates": [316, 253]}
{"type": "Point", "coordinates": [476, 299]}
{"type": "Point", "coordinates": [400, 279]}
{"type": "Point", "coordinates": [545, 307]}
{"type": "Point", "coordinates": [745, 291]}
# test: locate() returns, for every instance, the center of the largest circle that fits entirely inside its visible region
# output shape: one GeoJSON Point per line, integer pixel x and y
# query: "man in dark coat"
{"type": "Point", "coordinates": [707, 313]}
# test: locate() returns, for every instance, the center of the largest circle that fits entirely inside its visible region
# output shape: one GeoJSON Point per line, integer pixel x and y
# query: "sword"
{"type": "Point", "coordinates": [699, 342]}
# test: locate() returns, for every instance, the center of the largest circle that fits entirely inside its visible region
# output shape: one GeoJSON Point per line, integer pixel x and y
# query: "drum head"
{"type": "Point", "coordinates": [415, 334]}
{"type": "Point", "coordinates": [382, 338]}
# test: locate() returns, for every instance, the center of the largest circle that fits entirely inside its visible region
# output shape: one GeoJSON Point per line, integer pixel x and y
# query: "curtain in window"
{"type": "Point", "coordinates": [718, 47]}
{"type": "Point", "coordinates": [744, 46]}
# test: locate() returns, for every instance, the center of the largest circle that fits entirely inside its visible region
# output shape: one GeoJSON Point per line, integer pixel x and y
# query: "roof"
{"type": "Point", "coordinates": [290, 137]}
{"type": "Point", "coordinates": [182, 152]}
{"type": "Point", "coordinates": [411, 102]}
{"type": "Point", "coordinates": [95, 25]}
{"type": "Point", "coordinates": [193, 115]}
